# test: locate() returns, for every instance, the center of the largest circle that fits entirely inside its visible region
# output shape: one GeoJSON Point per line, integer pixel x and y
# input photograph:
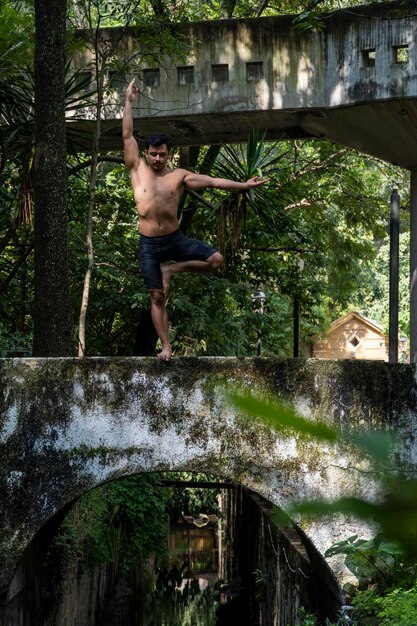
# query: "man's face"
{"type": "Point", "coordinates": [157, 157]}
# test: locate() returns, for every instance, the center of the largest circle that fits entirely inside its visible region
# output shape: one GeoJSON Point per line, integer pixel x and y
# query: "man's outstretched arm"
{"type": "Point", "coordinates": [201, 181]}
{"type": "Point", "coordinates": [131, 148]}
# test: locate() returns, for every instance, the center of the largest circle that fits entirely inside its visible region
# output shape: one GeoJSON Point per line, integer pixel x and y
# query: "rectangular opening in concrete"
{"type": "Point", "coordinates": [151, 78]}
{"type": "Point", "coordinates": [116, 80]}
{"type": "Point", "coordinates": [185, 75]}
{"type": "Point", "coordinates": [368, 57]}
{"type": "Point", "coordinates": [84, 80]}
{"type": "Point", "coordinates": [400, 53]}
{"type": "Point", "coordinates": [220, 73]}
{"type": "Point", "coordinates": [254, 70]}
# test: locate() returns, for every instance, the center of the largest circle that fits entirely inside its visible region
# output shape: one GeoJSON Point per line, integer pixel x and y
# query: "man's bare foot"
{"type": "Point", "coordinates": [165, 354]}
{"type": "Point", "coordinates": [167, 273]}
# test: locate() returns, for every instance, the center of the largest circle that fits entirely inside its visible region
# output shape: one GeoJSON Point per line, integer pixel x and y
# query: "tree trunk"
{"type": "Point", "coordinates": [90, 214]}
{"type": "Point", "coordinates": [53, 328]}
{"type": "Point", "coordinates": [146, 337]}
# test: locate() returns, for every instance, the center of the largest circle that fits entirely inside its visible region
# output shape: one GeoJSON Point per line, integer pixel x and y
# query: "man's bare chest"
{"type": "Point", "coordinates": [168, 185]}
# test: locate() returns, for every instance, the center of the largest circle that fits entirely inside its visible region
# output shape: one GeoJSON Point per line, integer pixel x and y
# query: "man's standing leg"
{"type": "Point", "coordinates": [160, 321]}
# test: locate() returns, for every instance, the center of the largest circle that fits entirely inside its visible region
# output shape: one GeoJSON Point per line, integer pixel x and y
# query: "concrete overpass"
{"type": "Point", "coordinates": [354, 83]}
{"type": "Point", "coordinates": [69, 425]}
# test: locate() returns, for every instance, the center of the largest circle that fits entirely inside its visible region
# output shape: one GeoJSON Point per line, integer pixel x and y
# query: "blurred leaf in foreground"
{"type": "Point", "coordinates": [396, 514]}
{"type": "Point", "coordinates": [280, 416]}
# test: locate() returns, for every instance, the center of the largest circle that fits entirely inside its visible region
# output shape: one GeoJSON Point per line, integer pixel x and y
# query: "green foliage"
{"type": "Point", "coordinates": [84, 536]}
{"type": "Point", "coordinates": [14, 343]}
{"type": "Point", "coordinates": [371, 560]}
{"type": "Point", "coordinates": [307, 215]}
{"type": "Point", "coordinates": [396, 516]}
{"type": "Point", "coordinates": [117, 291]}
{"type": "Point", "coordinates": [140, 506]}
{"type": "Point", "coordinates": [244, 162]}
{"type": "Point", "coordinates": [389, 580]}
{"type": "Point", "coordinates": [128, 515]}
{"type": "Point", "coordinates": [309, 619]}
{"type": "Point", "coordinates": [309, 20]}
{"type": "Point", "coordinates": [365, 603]}
{"type": "Point", "coordinates": [260, 584]}
{"type": "Point", "coordinates": [396, 608]}
{"type": "Point", "coordinates": [210, 314]}
{"type": "Point", "coordinates": [379, 560]}
{"type": "Point", "coordinates": [376, 304]}
{"type": "Point", "coordinates": [305, 618]}
{"type": "Point", "coordinates": [16, 33]}
{"type": "Point", "coordinates": [125, 522]}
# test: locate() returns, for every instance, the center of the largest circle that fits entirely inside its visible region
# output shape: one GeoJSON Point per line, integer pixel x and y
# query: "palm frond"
{"type": "Point", "coordinates": [266, 202]}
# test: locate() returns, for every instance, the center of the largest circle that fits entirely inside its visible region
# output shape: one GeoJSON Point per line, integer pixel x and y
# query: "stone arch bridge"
{"type": "Point", "coordinates": [69, 425]}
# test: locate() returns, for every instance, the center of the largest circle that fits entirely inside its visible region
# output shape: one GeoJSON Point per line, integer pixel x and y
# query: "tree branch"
{"type": "Point", "coordinates": [262, 8]}
{"type": "Point", "coordinates": [202, 200]}
{"type": "Point", "coordinates": [100, 159]}
{"type": "Point", "coordinates": [294, 205]}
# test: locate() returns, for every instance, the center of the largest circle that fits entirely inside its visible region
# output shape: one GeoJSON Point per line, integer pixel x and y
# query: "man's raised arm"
{"type": "Point", "coordinates": [131, 149]}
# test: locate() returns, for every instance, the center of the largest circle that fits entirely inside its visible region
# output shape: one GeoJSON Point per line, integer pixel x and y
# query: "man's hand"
{"type": "Point", "coordinates": [255, 182]}
{"type": "Point", "coordinates": [131, 91]}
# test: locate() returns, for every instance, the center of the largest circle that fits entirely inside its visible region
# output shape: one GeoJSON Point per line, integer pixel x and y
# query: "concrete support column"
{"type": "Point", "coordinates": [413, 266]}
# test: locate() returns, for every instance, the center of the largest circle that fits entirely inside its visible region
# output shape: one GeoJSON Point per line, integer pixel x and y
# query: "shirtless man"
{"type": "Point", "coordinates": [157, 190]}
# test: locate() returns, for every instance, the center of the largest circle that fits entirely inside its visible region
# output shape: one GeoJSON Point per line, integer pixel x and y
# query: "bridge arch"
{"type": "Point", "coordinates": [69, 425]}
{"type": "Point", "coordinates": [297, 573]}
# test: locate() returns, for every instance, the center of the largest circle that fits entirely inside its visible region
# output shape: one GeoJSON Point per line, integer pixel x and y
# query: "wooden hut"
{"type": "Point", "coordinates": [352, 336]}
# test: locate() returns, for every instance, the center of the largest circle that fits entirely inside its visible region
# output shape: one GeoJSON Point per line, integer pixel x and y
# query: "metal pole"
{"type": "Point", "coordinates": [296, 323]}
{"type": "Point", "coordinates": [394, 275]}
{"type": "Point", "coordinates": [258, 300]}
{"type": "Point", "coordinates": [413, 266]}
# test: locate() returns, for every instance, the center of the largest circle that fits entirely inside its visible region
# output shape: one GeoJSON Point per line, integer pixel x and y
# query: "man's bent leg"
{"type": "Point", "coordinates": [214, 262]}
{"type": "Point", "coordinates": [160, 321]}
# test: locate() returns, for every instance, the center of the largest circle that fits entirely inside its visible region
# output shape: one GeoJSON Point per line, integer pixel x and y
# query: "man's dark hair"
{"type": "Point", "coordinates": [158, 140]}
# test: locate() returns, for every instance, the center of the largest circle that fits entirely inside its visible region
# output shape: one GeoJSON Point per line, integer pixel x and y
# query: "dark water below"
{"type": "Point", "coordinates": [171, 600]}
{"type": "Point", "coordinates": [193, 607]}
{"type": "Point", "coordinates": [185, 606]}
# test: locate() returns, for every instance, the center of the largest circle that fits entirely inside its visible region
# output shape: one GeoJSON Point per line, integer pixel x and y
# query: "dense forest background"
{"type": "Point", "coordinates": [317, 234]}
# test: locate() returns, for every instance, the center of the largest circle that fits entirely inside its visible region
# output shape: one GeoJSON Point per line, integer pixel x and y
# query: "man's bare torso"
{"type": "Point", "coordinates": [157, 195]}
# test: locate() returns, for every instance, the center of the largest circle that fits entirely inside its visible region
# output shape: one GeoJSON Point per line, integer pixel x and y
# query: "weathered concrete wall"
{"type": "Point", "coordinates": [275, 570]}
{"type": "Point", "coordinates": [55, 590]}
{"type": "Point", "coordinates": [69, 425]}
{"type": "Point", "coordinates": [299, 69]}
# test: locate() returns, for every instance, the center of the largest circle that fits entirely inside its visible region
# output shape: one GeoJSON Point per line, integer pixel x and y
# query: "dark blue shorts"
{"type": "Point", "coordinates": [173, 247]}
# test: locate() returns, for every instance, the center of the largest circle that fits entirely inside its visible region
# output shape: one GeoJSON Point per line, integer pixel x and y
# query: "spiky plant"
{"type": "Point", "coordinates": [256, 158]}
